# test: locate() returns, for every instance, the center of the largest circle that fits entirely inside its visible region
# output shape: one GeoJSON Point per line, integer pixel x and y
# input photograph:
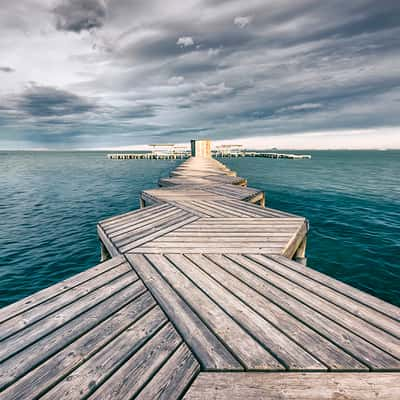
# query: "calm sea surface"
{"type": "Point", "coordinates": [50, 203]}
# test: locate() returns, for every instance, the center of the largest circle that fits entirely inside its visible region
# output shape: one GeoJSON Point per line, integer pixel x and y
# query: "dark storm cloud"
{"type": "Point", "coordinates": [6, 69]}
{"type": "Point", "coordinates": [80, 15]}
{"type": "Point", "coordinates": [137, 111]}
{"type": "Point", "coordinates": [43, 101]}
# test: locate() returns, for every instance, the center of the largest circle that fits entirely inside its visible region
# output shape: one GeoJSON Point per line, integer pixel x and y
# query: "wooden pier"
{"type": "Point", "coordinates": [184, 155]}
{"type": "Point", "coordinates": [202, 294]}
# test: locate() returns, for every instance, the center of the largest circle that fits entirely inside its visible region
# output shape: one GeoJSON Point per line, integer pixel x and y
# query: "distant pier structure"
{"type": "Point", "coordinates": [201, 148]}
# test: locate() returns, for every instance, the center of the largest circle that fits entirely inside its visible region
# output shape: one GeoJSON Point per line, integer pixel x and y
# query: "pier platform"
{"type": "Point", "coordinates": [202, 294]}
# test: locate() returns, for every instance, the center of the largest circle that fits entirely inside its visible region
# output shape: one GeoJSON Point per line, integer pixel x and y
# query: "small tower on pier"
{"type": "Point", "coordinates": [201, 148]}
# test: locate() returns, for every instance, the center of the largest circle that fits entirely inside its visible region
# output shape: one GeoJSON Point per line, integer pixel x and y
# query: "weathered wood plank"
{"type": "Point", "coordinates": [373, 302]}
{"type": "Point", "coordinates": [208, 349]}
{"type": "Point", "coordinates": [321, 348]}
{"type": "Point", "coordinates": [80, 346]}
{"type": "Point", "coordinates": [43, 327]}
{"type": "Point", "coordinates": [274, 290]}
{"type": "Point", "coordinates": [126, 382]}
{"type": "Point", "coordinates": [241, 344]}
{"type": "Point", "coordinates": [95, 370]}
{"type": "Point", "coordinates": [295, 386]}
{"type": "Point", "coordinates": [350, 321]}
{"type": "Point", "coordinates": [280, 345]}
{"type": "Point", "coordinates": [57, 289]}
{"type": "Point", "coordinates": [358, 309]}
{"type": "Point", "coordinates": [138, 214]}
{"type": "Point", "coordinates": [175, 224]}
{"type": "Point", "coordinates": [173, 378]}
{"type": "Point", "coordinates": [107, 242]}
{"type": "Point", "coordinates": [32, 315]}
{"type": "Point", "coordinates": [151, 220]}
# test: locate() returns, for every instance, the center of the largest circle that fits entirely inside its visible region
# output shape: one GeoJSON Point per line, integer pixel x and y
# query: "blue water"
{"type": "Point", "coordinates": [50, 204]}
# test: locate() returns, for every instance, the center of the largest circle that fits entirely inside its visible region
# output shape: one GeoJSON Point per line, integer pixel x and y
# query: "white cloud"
{"type": "Point", "coordinates": [176, 80]}
{"type": "Point", "coordinates": [213, 52]}
{"type": "Point", "coordinates": [301, 107]}
{"type": "Point", "coordinates": [185, 41]}
{"type": "Point", "coordinates": [242, 22]}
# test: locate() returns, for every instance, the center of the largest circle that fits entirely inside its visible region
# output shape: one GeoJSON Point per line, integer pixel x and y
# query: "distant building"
{"type": "Point", "coordinates": [201, 148]}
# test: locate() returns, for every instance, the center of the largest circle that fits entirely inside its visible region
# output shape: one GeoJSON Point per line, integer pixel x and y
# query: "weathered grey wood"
{"type": "Point", "coordinates": [292, 386]}
{"type": "Point", "coordinates": [107, 242]}
{"type": "Point", "coordinates": [281, 346]}
{"type": "Point", "coordinates": [280, 294]}
{"type": "Point", "coordinates": [241, 344]}
{"type": "Point", "coordinates": [173, 378]}
{"type": "Point", "coordinates": [296, 241]}
{"type": "Point", "coordinates": [151, 227]}
{"type": "Point", "coordinates": [52, 366]}
{"type": "Point", "coordinates": [57, 289]}
{"type": "Point", "coordinates": [132, 215]}
{"type": "Point", "coordinates": [206, 250]}
{"type": "Point", "coordinates": [208, 349]}
{"type": "Point", "coordinates": [152, 220]}
{"type": "Point", "coordinates": [28, 317]}
{"type": "Point", "coordinates": [34, 332]}
{"type": "Point", "coordinates": [96, 369]}
{"type": "Point", "coordinates": [373, 302]}
{"type": "Point", "coordinates": [357, 325]}
{"type": "Point", "coordinates": [360, 310]}
{"type": "Point", "coordinates": [168, 227]}
{"type": "Point", "coordinates": [321, 348]}
{"type": "Point", "coordinates": [126, 382]}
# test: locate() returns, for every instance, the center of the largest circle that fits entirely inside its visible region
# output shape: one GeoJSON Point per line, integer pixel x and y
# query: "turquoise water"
{"type": "Point", "coordinates": [50, 204]}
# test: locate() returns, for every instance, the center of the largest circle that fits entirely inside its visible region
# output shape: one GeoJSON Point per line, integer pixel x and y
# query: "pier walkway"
{"type": "Point", "coordinates": [203, 295]}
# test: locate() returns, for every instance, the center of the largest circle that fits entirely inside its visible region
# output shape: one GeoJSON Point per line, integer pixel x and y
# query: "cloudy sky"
{"type": "Point", "coordinates": [96, 74]}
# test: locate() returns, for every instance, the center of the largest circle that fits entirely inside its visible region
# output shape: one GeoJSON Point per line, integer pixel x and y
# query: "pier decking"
{"type": "Point", "coordinates": [201, 298]}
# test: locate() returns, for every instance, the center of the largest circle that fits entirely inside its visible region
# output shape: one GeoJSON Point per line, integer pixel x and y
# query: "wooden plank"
{"type": "Point", "coordinates": [293, 244]}
{"type": "Point", "coordinates": [151, 220]}
{"type": "Point", "coordinates": [241, 344]}
{"type": "Point", "coordinates": [208, 349]}
{"type": "Point", "coordinates": [53, 321]}
{"type": "Point", "coordinates": [126, 382]}
{"type": "Point", "coordinates": [321, 348]}
{"type": "Point", "coordinates": [133, 215]}
{"type": "Point", "coordinates": [206, 250]}
{"type": "Point", "coordinates": [350, 321]}
{"type": "Point", "coordinates": [373, 302]}
{"type": "Point", "coordinates": [270, 212]}
{"type": "Point", "coordinates": [173, 378]}
{"type": "Point", "coordinates": [52, 366]}
{"type": "Point", "coordinates": [280, 345]}
{"type": "Point", "coordinates": [295, 386]}
{"type": "Point", "coordinates": [358, 309]}
{"type": "Point", "coordinates": [23, 320]}
{"type": "Point", "coordinates": [149, 227]}
{"type": "Point", "coordinates": [57, 289]}
{"type": "Point", "coordinates": [255, 240]}
{"type": "Point", "coordinates": [94, 371]}
{"type": "Point", "coordinates": [107, 242]}
{"type": "Point", "coordinates": [175, 224]}
{"type": "Point", "coordinates": [210, 243]}
{"type": "Point", "coordinates": [355, 345]}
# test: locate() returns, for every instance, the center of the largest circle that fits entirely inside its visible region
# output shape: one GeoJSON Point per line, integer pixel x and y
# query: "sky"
{"type": "Point", "coordinates": [120, 74]}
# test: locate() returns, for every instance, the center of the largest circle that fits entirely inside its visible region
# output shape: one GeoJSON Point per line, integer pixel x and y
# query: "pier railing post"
{"type": "Point", "coordinates": [300, 255]}
{"type": "Point", "coordinates": [104, 254]}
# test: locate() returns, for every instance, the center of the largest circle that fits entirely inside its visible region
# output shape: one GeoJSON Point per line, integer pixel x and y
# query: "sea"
{"type": "Point", "coordinates": [50, 203]}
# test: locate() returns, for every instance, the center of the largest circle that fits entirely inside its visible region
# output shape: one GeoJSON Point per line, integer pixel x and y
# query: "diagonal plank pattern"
{"type": "Point", "coordinates": [99, 334]}
{"type": "Point", "coordinates": [201, 299]}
